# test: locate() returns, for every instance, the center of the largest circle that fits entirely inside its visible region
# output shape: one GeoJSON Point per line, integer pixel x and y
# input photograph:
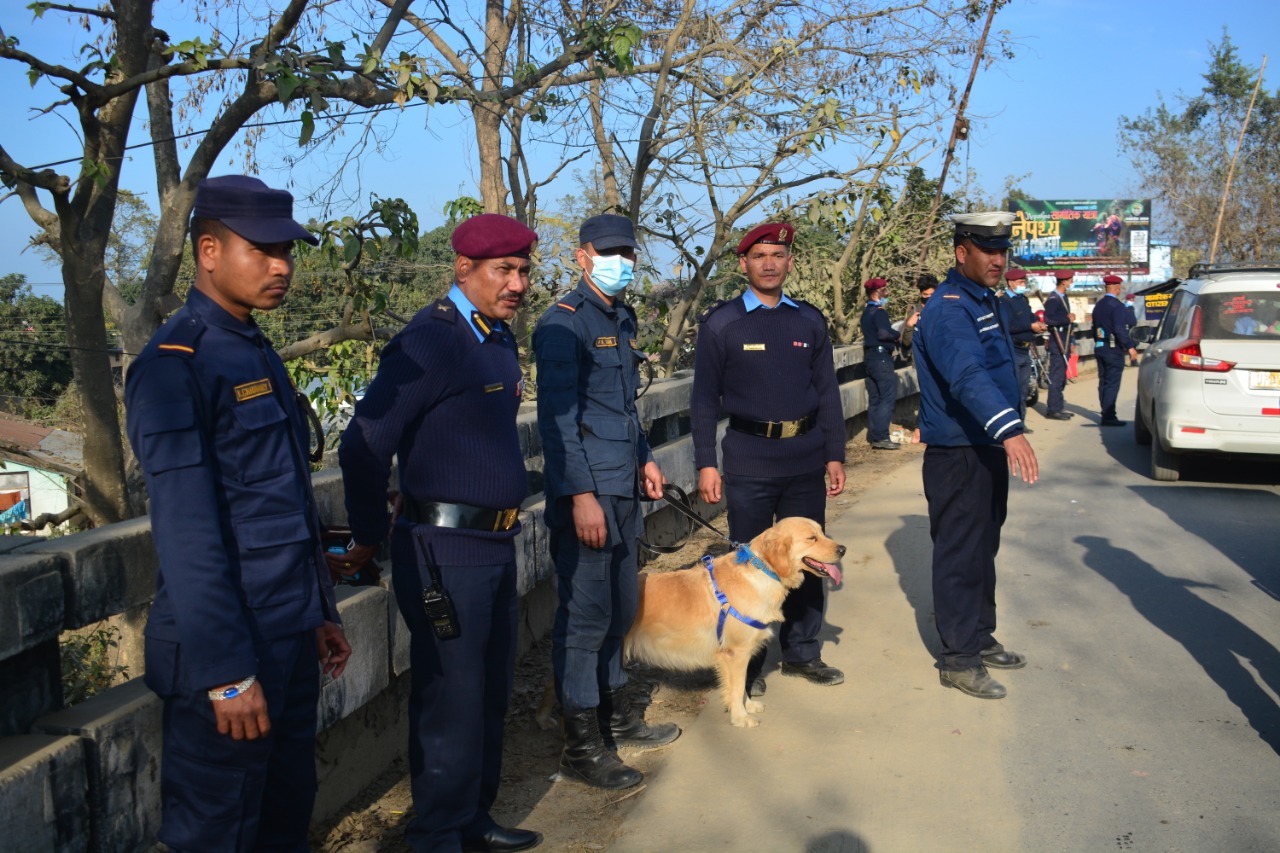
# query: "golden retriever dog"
{"type": "Point", "coordinates": [676, 622]}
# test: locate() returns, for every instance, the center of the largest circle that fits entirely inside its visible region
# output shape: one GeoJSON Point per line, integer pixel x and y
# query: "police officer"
{"type": "Point", "coordinates": [969, 420]}
{"type": "Point", "coordinates": [454, 364]}
{"type": "Point", "coordinates": [243, 600]}
{"type": "Point", "coordinates": [926, 284]}
{"type": "Point", "coordinates": [1110, 343]}
{"type": "Point", "coordinates": [766, 359]}
{"type": "Point", "coordinates": [595, 460]}
{"type": "Point", "coordinates": [1015, 313]}
{"type": "Point", "coordinates": [879, 341]}
{"type": "Point", "coordinates": [1058, 318]}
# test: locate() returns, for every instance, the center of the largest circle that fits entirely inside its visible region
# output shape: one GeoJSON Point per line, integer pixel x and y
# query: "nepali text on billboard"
{"type": "Point", "coordinates": [1097, 236]}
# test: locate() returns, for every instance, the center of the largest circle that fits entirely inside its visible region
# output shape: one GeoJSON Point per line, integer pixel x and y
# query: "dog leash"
{"type": "Point", "coordinates": [677, 498]}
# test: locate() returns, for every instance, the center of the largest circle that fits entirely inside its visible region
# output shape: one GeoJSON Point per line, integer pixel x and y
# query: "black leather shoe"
{"type": "Point", "coordinates": [814, 670]}
{"type": "Point", "coordinates": [998, 657]}
{"type": "Point", "coordinates": [886, 444]}
{"type": "Point", "coordinates": [1058, 416]}
{"type": "Point", "coordinates": [757, 687]}
{"type": "Point", "coordinates": [974, 682]}
{"type": "Point", "coordinates": [1113, 422]}
{"type": "Point", "coordinates": [500, 839]}
{"type": "Point", "coordinates": [621, 724]}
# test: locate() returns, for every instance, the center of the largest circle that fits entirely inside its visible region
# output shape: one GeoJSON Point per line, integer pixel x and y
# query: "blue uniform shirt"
{"type": "Point", "coordinates": [876, 328]}
{"type": "Point", "coordinates": [588, 377]}
{"type": "Point", "coordinates": [1016, 313]}
{"type": "Point", "coordinates": [213, 421]}
{"type": "Point", "coordinates": [1111, 323]}
{"type": "Point", "coordinates": [964, 362]}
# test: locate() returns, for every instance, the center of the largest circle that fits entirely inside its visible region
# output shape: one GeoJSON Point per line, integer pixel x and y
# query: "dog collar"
{"type": "Point", "coordinates": [744, 555]}
{"type": "Point", "coordinates": [727, 609]}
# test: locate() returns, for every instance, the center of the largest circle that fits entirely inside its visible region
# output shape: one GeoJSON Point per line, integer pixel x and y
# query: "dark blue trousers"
{"type": "Point", "coordinates": [968, 493]}
{"type": "Point", "coordinates": [1110, 361]}
{"type": "Point", "coordinates": [220, 794]}
{"type": "Point", "coordinates": [599, 594]}
{"type": "Point", "coordinates": [1057, 380]}
{"type": "Point", "coordinates": [882, 393]}
{"type": "Point", "coordinates": [1022, 361]}
{"type": "Point", "coordinates": [460, 691]}
{"type": "Point", "coordinates": [754, 504]}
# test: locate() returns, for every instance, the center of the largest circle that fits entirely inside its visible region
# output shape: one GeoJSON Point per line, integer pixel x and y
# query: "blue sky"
{"type": "Point", "coordinates": [1050, 114]}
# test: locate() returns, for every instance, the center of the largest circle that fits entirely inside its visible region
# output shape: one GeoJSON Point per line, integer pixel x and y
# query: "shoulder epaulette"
{"type": "Point", "coordinates": [713, 309]}
{"type": "Point", "coordinates": [570, 302]}
{"type": "Point", "coordinates": [443, 309]}
{"type": "Point", "coordinates": [181, 335]}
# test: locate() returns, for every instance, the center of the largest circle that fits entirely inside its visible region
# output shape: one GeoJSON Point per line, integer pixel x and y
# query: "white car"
{"type": "Point", "coordinates": [1210, 380]}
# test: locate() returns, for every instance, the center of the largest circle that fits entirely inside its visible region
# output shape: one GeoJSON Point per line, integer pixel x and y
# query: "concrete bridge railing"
{"type": "Point", "coordinates": [87, 777]}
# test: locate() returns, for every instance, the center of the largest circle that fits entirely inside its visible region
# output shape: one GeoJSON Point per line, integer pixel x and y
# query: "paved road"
{"type": "Point", "coordinates": [1147, 720]}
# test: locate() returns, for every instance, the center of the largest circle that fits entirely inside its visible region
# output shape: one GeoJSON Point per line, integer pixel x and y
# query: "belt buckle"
{"type": "Point", "coordinates": [506, 519]}
{"type": "Point", "coordinates": [790, 429]}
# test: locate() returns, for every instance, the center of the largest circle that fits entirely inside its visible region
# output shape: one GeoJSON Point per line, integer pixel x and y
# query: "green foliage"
{"type": "Point", "coordinates": [1184, 149]}
{"type": "Point", "coordinates": [35, 368]}
{"type": "Point", "coordinates": [89, 662]}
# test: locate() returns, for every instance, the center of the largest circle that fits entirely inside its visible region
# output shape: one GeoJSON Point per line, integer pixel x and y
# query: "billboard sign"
{"type": "Point", "coordinates": [1097, 236]}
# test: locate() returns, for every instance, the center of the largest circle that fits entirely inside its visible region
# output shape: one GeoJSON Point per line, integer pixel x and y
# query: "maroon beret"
{"type": "Point", "coordinates": [1063, 275]}
{"type": "Point", "coordinates": [1016, 274]}
{"type": "Point", "coordinates": [774, 233]}
{"type": "Point", "coordinates": [492, 235]}
{"type": "Point", "coordinates": [873, 284]}
{"type": "Point", "coordinates": [1112, 279]}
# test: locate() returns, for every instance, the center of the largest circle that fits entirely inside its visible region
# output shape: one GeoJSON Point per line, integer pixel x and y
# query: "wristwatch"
{"type": "Point", "coordinates": [233, 691]}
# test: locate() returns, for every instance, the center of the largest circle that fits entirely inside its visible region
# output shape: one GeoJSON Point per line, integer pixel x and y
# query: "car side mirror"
{"type": "Point", "coordinates": [1142, 334]}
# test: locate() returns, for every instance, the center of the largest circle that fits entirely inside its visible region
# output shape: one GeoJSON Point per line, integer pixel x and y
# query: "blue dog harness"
{"type": "Point", "coordinates": [743, 555]}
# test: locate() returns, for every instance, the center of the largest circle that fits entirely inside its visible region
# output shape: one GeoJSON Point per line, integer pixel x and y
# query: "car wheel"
{"type": "Point", "coordinates": [1165, 466]}
{"type": "Point", "coordinates": [1141, 434]}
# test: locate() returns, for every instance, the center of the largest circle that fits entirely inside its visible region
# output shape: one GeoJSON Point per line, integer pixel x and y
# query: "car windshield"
{"type": "Point", "coordinates": [1241, 315]}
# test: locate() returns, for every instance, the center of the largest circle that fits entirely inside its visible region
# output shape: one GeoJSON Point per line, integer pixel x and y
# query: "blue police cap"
{"type": "Point", "coordinates": [251, 209]}
{"type": "Point", "coordinates": [607, 231]}
{"type": "Point", "coordinates": [493, 235]}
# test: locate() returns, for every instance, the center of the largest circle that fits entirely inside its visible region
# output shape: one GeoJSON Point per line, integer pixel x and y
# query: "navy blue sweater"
{"type": "Point", "coordinates": [445, 405]}
{"type": "Point", "coordinates": [766, 365]}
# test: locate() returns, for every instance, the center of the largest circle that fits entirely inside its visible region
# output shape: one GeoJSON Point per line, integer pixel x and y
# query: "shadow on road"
{"type": "Point", "coordinates": [1218, 641]}
{"type": "Point", "coordinates": [915, 576]}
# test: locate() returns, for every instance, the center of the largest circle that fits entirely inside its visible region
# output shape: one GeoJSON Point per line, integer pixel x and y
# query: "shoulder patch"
{"type": "Point", "coordinates": [713, 309]}
{"type": "Point", "coordinates": [443, 309]}
{"type": "Point", "coordinates": [181, 336]}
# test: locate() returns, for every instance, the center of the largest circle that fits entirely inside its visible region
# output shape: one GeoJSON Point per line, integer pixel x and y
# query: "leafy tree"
{"type": "Point", "coordinates": [34, 367]}
{"type": "Point", "coordinates": [1182, 150]}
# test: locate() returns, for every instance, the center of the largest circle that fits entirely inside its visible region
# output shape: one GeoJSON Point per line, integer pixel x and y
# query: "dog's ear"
{"type": "Point", "coordinates": [777, 553]}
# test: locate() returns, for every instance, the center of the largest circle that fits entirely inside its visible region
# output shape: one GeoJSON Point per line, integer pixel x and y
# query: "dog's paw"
{"type": "Point", "coordinates": [745, 721]}
{"type": "Point", "coordinates": [753, 706]}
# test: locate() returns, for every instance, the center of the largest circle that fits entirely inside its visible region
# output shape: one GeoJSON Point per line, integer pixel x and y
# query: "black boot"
{"type": "Point", "coordinates": [622, 725]}
{"type": "Point", "coordinates": [585, 757]}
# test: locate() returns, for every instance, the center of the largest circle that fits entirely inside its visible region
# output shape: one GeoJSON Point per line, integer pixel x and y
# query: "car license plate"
{"type": "Point", "coordinates": [1261, 380]}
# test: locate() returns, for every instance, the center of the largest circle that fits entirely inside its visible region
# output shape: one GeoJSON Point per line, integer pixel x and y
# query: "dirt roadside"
{"type": "Point", "coordinates": [573, 818]}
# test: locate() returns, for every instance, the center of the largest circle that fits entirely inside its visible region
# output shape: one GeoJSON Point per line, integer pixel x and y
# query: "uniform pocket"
{"type": "Point", "coordinates": [169, 437]}
{"type": "Point", "coordinates": [202, 802]}
{"type": "Point", "coordinates": [606, 369]}
{"type": "Point", "coordinates": [272, 549]}
{"type": "Point", "coordinates": [262, 447]}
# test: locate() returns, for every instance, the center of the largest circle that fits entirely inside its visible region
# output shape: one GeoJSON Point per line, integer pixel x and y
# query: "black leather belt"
{"type": "Point", "coordinates": [1021, 345]}
{"type": "Point", "coordinates": [774, 429]}
{"type": "Point", "coordinates": [460, 515]}
{"type": "Point", "coordinates": [879, 348]}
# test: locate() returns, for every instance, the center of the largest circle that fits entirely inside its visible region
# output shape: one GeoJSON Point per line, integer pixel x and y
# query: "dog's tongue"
{"type": "Point", "coordinates": [833, 570]}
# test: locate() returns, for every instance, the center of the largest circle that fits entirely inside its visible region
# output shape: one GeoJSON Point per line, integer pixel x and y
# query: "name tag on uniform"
{"type": "Point", "coordinates": [606, 342]}
{"type": "Point", "coordinates": [753, 347]}
{"type": "Point", "coordinates": [249, 390]}
{"type": "Point", "coordinates": [489, 389]}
